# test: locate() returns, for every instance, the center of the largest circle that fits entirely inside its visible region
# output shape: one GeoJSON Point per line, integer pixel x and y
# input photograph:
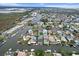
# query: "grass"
{"type": "Point", "coordinates": [9, 20]}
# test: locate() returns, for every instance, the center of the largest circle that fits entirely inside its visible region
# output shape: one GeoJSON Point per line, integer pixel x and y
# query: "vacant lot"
{"type": "Point", "coordinates": [8, 20]}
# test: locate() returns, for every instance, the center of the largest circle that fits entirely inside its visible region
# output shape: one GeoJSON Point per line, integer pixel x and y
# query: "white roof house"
{"type": "Point", "coordinates": [77, 23]}
{"type": "Point", "coordinates": [26, 37]}
{"type": "Point", "coordinates": [34, 14]}
{"type": "Point", "coordinates": [75, 55]}
{"type": "Point", "coordinates": [32, 50]}
{"type": "Point", "coordinates": [59, 32]}
{"type": "Point", "coordinates": [57, 54]}
{"type": "Point", "coordinates": [77, 42]}
{"type": "Point", "coordinates": [60, 26]}
{"type": "Point", "coordinates": [48, 50]}
{"type": "Point", "coordinates": [44, 31]}
{"type": "Point", "coordinates": [63, 38]}
{"type": "Point", "coordinates": [33, 38]}
{"type": "Point", "coordinates": [30, 31]}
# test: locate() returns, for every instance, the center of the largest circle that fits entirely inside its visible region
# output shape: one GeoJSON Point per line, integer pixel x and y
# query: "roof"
{"type": "Point", "coordinates": [21, 53]}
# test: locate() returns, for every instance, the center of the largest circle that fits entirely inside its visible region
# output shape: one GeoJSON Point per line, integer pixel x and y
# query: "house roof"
{"type": "Point", "coordinates": [20, 53]}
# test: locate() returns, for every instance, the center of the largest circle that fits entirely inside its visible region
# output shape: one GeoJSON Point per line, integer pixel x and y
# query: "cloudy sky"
{"type": "Point", "coordinates": [63, 5]}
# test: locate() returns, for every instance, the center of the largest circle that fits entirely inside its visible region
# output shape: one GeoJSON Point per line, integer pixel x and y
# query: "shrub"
{"type": "Point", "coordinates": [39, 53]}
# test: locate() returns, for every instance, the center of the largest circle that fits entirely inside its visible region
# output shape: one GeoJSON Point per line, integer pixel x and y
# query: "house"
{"type": "Point", "coordinates": [40, 23]}
{"type": "Point", "coordinates": [68, 35]}
{"type": "Point", "coordinates": [34, 13]}
{"type": "Point", "coordinates": [76, 23]}
{"type": "Point", "coordinates": [60, 26]}
{"type": "Point", "coordinates": [32, 40]}
{"type": "Point", "coordinates": [77, 42]}
{"type": "Point", "coordinates": [51, 39]}
{"type": "Point", "coordinates": [32, 52]}
{"type": "Point", "coordinates": [21, 53]}
{"type": "Point", "coordinates": [25, 38]}
{"type": "Point", "coordinates": [30, 31]}
{"type": "Point", "coordinates": [75, 55]}
{"type": "Point", "coordinates": [57, 54]}
{"type": "Point", "coordinates": [60, 33]}
{"type": "Point", "coordinates": [44, 31]}
{"type": "Point", "coordinates": [46, 42]}
{"type": "Point", "coordinates": [63, 38]}
{"type": "Point", "coordinates": [40, 39]}
{"type": "Point", "coordinates": [46, 39]}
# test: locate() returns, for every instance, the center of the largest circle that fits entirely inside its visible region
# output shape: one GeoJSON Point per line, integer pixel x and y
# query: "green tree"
{"type": "Point", "coordinates": [39, 53]}
{"type": "Point", "coordinates": [44, 20]}
{"type": "Point", "coordinates": [65, 52]}
{"type": "Point", "coordinates": [62, 43]}
{"type": "Point", "coordinates": [2, 37]}
{"type": "Point", "coordinates": [48, 27]}
{"type": "Point", "coordinates": [71, 42]}
{"type": "Point", "coordinates": [30, 23]}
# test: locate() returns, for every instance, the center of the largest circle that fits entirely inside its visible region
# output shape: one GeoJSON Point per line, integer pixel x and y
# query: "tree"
{"type": "Point", "coordinates": [48, 27]}
{"type": "Point", "coordinates": [71, 42]}
{"type": "Point", "coordinates": [41, 33]}
{"type": "Point", "coordinates": [15, 54]}
{"type": "Point", "coordinates": [48, 54]}
{"type": "Point", "coordinates": [65, 52]}
{"type": "Point", "coordinates": [44, 20]}
{"type": "Point", "coordinates": [39, 53]}
{"type": "Point", "coordinates": [2, 37]}
{"type": "Point", "coordinates": [62, 43]}
{"type": "Point", "coordinates": [30, 23]}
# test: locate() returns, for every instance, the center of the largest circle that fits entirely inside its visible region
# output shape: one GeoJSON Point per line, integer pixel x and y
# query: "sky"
{"type": "Point", "coordinates": [62, 5]}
